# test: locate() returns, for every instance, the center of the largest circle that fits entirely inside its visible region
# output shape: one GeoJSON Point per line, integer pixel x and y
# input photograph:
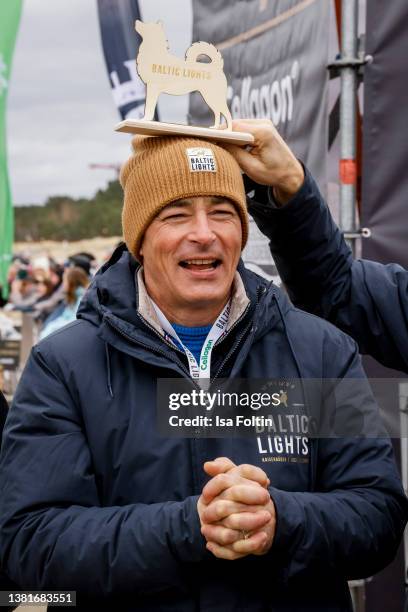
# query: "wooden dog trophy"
{"type": "Point", "coordinates": [163, 72]}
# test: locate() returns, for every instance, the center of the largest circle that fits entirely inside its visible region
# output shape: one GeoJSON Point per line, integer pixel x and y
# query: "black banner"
{"type": "Point", "coordinates": [385, 144]}
{"type": "Point", "coordinates": [275, 56]}
{"type": "Point", "coordinates": [384, 201]}
{"type": "Point", "coordinates": [120, 45]}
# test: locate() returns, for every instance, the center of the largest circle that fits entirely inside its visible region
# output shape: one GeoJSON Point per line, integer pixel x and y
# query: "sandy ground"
{"type": "Point", "coordinates": [99, 247]}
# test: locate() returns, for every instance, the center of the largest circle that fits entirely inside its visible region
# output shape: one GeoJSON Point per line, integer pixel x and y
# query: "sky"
{"type": "Point", "coordinates": [60, 111]}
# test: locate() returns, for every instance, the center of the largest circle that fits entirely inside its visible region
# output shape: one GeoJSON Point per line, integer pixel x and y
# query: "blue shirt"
{"type": "Point", "coordinates": [192, 337]}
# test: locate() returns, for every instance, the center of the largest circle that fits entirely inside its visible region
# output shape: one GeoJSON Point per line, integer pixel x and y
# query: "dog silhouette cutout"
{"type": "Point", "coordinates": [163, 72]}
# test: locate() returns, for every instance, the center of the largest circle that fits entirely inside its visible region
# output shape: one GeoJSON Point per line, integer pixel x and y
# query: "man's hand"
{"type": "Point", "coordinates": [236, 512]}
{"type": "Point", "coordinates": [223, 465]}
{"type": "Point", "coordinates": [269, 161]}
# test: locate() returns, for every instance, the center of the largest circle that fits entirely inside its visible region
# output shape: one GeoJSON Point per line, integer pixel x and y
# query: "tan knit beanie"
{"type": "Point", "coordinates": [167, 168]}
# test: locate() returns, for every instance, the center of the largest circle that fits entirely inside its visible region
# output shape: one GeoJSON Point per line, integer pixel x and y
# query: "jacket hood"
{"type": "Point", "coordinates": [112, 290]}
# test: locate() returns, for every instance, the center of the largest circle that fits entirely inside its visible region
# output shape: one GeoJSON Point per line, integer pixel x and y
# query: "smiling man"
{"type": "Point", "coordinates": [94, 500]}
{"type": "Point", "coordinates": [191, 250]}
{"type": "Point", "coordinates": [186, 224]}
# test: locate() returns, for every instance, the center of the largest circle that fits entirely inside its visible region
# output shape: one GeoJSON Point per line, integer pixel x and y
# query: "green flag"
{"type": "Point", "coordinates": [10, 11]}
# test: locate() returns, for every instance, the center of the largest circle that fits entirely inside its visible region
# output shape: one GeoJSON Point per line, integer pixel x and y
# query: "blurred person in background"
{"type": "Point", "coordinates": [91, 258]}
{"type": "Point", "coordinates": [82, 260]}
{"type": "Point", "coordinates": [54, 308]}
{"type": "Point", "coordinates": [48, 305]}
{"type": "Point", "coordinates": [75, 282]}
{"type": "Point", "coordinates": [24, 291]}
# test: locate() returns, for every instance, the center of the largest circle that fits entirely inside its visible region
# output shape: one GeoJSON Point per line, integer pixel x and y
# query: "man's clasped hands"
{"type": "Point", "coordinates": [236, 511]}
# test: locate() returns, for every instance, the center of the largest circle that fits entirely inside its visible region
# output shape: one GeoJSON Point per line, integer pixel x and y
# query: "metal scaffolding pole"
{"type": "Point", "coordinates": [349, 64]}
{"type": "Point", "coordinates": [348, 114]}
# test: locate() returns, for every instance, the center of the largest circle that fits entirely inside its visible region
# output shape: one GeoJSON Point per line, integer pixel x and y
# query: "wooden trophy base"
{"type": "Point", "coordinates": [157, 128]}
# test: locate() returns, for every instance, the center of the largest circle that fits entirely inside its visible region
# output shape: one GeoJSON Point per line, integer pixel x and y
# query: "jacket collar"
{"type": "Point", "coordinates": [239, 302]}
{"type": "Point", "coordinates": [113, 296]}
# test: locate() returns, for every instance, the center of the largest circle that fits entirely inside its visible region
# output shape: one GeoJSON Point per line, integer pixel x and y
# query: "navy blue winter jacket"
{"type": "Point", "coordinates": [365, 299]}
{"type": "Point", "coordinates": [93, 500]}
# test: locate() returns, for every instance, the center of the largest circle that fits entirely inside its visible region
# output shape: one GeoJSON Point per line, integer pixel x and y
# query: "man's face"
{"type": "Point", "coordinates": [190, 253]}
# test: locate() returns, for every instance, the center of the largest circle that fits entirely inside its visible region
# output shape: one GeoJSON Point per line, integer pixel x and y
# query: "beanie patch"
{"type": "Point", "coordinates": [201, 159]}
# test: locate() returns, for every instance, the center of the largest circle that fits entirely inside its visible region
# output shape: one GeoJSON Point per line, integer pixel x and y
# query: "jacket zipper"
{"type": "Point", "coordinates": [237, 344]}
{"type": "Point", "coordinates": [174, 347]}
{"type": "Point", "coordinates": [232, 351]}
{"type": "Point", "coordinates": [216, 344]}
